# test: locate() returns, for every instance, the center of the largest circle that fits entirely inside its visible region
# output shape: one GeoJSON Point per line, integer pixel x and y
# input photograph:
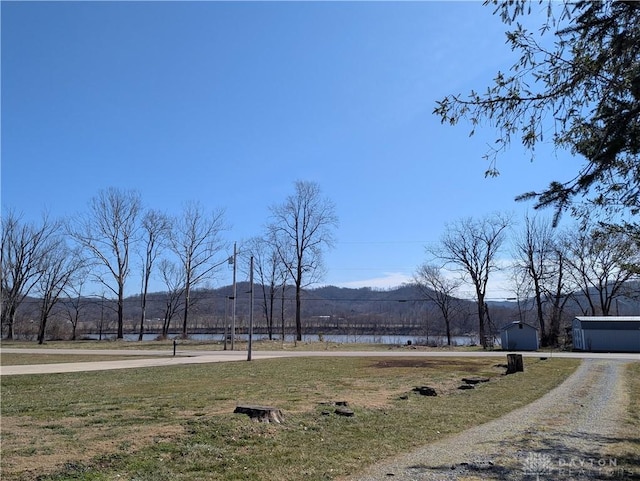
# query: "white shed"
{"type": "Point", "coordinates": [519, 336]}
{"type": "Point", "coordinates": [606, 333]}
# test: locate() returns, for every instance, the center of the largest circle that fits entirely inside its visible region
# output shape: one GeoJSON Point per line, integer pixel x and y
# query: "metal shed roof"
{"type": "Point", "coordinates": [515, 323]}
{"type": "Point", "coordinates": [617, 323]}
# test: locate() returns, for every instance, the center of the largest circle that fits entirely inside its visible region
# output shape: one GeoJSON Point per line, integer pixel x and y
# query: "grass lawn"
{"type": "Point", "coordinates": [176, 423]}
{"type": "Point", "coordinates": [13, 359]}
{"type": "Point", "coordinates": [627, 451]}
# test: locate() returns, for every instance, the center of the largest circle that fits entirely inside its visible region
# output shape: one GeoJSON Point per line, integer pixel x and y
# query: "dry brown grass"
{"type": "Point", "coordinates": [628, 449]}
{"type": "Point", "coordinates": [125, 422]}
{"type": "Point", "coordinates": [34, 447]}
{"type": "Point", "coordinates": [16, 359]}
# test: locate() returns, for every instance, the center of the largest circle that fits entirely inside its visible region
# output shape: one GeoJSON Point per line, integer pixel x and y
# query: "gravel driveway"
{"type": "Point", "coordinates": [565, 435]}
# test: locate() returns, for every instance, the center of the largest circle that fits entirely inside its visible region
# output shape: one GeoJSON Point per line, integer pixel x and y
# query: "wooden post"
{"type": "Point", "coordinates": [514, 363]}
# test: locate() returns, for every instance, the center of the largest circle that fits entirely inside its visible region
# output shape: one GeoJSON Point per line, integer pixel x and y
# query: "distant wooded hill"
{"type": "Point", "coordinates": [326, 310]}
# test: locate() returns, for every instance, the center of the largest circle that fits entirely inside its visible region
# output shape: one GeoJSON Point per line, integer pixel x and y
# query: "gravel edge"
{"type": "Point", "coordinates": [566, 434]}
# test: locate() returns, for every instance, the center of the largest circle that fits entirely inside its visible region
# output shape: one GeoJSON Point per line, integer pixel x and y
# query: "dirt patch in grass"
{"type": "Point", "coordinates": [473, 366]}
{"type": "Point", "coordinates": [443, 374]}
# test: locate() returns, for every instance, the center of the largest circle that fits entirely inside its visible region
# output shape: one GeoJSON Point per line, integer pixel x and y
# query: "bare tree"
{"type": "Point", "coordinates": [632, 231]}
{"type": "Point", "coordinates": [304, 223]}
{"type": "Point", "coordinates": [173, 277]}
{"type": "Point", "coordinates": [107, 234]}
{"type": "Point", "coordinates": [541, 258]}
{"type": "Point", "coordinates": [155, 228]}
{"type": "Point", "coordinates": [558, 293]}
{"type": "Point", "coordinates": [285, 250]}
{"type": "Point", "coordinates": [521, 286]}
{"type": "Point", "coordinates": [598, 261]}
{"type": "Point", "coordinates": [74, 303]}
{"type": "Point", "coordinates": [438, 288]}
{"type": "Point", "coordinates": [266, 268]}
{"type": "Point", "coordinates": [195, 239]}
{"type": "Point", "coordinates": [23, 247]}
{"type": "Point", "coordinates": [283, 279]}
{"type": "Point", "coordinates": [58, 265]}
{"type": "Point", "coordinates": [471, 247]}
{"type": "Point", "coordinates": [534, 258]}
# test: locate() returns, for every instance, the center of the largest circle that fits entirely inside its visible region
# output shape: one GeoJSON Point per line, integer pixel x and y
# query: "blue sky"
{"type": "Point", "coordinates": [229, 103]}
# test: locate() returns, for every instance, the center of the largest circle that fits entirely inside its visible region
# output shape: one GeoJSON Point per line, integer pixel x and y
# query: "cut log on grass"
{"type": "Point", "coordinates": [514, 363]}
{"type": "Point", "coordinates": [343, 411]}
{"type": "Point", "coordinates": [474, 380]}
{"type": "Point", "coordinates": [265, 414]}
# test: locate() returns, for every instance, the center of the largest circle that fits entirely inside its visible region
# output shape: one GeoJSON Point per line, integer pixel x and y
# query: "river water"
{"type": "Point", "coordinates": [339, 339]}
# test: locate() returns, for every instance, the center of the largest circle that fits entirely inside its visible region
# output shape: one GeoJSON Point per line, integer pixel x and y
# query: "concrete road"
{"type": "Point", "coordinates": [151, 358]}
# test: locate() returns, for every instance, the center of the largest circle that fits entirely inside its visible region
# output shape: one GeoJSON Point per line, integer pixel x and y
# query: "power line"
{"type": "Point", "coordinates": [384, 242]}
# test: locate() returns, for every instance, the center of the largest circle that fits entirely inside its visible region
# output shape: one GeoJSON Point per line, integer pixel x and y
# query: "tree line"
{"type": "Point", "coordinates": [57, 259]}
{"type": "Point", "coordinates": [592, 264]}
{"type": "Point", "coordinates": [588, 265]}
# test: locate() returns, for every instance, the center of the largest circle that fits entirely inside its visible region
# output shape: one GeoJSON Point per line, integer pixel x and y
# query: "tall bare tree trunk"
{"type": "Point", "coordinates": [301, 227]}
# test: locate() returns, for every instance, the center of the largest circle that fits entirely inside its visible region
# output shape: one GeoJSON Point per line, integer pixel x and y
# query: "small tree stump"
{"type": "Point", "coordinates": [514, 363]}
{"type": "Point", "coordinates": [425, 391]}
{"type": "Point", "coordinates": [265, 414]}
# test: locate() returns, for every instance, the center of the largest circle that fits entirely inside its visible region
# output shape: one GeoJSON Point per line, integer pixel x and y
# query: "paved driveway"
{"type": "Point", "coordinates": [151, 358]}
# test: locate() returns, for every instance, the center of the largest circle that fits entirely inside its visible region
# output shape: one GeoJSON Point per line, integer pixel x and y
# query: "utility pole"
{"type": "Point", "coordinates": [250, 310]}
{"type": "Point", "coordinates": [233, 305]}
{"type": "Point", "coordinates": [226, 321]}
{"type": "Point", "coordinates": [101, 316]}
